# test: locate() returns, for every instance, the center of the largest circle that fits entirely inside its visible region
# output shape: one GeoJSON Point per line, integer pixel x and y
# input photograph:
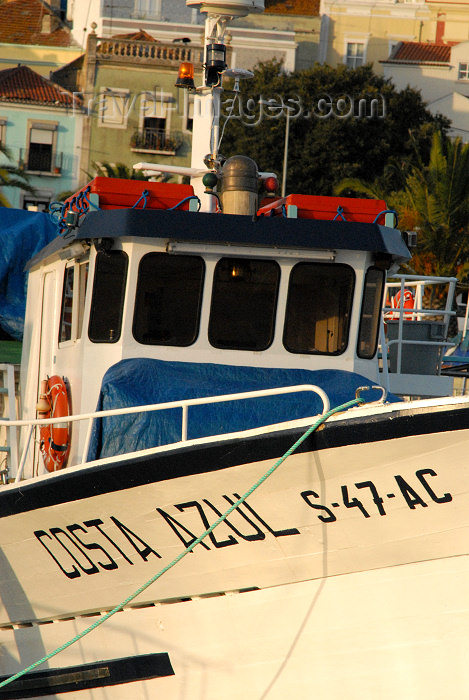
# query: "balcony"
{"type": "Point", "coordinates": [156, 141]}
{"type": "Point", "coordinates": [41, 161]}
{"type": "Point", "coordinates": [154, 52]}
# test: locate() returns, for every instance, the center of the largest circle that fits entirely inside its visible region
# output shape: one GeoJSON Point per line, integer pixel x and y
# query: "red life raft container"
{"type": "Point", "coordinates": [119, 193]}
{"type": "Point", "coordinates": [328, 208]}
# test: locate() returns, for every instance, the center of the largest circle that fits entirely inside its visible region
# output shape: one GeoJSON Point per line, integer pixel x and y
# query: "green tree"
{"type": "Point", "coordinates": [119, 170]}
{"type": "Point", "coordinates": [328, 144]}
{"type": "Point", "coordinates": [11, 176]}
{"type": "Point", "coordinates": [434, 200]}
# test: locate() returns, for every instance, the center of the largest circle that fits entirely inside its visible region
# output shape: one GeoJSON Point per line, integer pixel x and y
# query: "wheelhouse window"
{"type": "Point", "coordinates": [318, 311]}
{"type": "Point", "coordinates": [244, 300]}
{"type": "Point", "coordinates": [168, 299]}
{"type": "Point", "coordinates": [108, 296]}
{"type": "Point", "coordinates": [370, 313]}
{"type": "Point", "coordinates": [73, 301]}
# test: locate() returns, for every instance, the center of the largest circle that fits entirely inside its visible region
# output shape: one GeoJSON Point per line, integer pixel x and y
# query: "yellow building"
{"type": "Point", "coordinates": [355, 32]}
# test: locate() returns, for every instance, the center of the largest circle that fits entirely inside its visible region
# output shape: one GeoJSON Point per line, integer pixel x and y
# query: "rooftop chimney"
{"type": "Point", "coordinates": [440, 28]}
{"type": "Point", "coordinates": [51, 16]}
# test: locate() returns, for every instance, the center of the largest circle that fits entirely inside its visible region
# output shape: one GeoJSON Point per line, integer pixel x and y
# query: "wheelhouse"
{"type": "Point", "coordinates": [224, 289]}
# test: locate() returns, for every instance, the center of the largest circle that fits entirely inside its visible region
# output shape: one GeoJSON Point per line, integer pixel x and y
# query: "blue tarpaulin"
{"type": "Point", "coordinates": [22, 234]}
{"type": "Point", "coordinates": [137, 382]}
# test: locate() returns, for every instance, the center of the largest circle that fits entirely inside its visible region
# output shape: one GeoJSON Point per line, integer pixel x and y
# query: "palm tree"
{"type": "Point", "coordinates": [11, 176]}
{"type": "Point", "coordinates": [116, 170]}
{"type": "Point", "coordinates": [434, 201]}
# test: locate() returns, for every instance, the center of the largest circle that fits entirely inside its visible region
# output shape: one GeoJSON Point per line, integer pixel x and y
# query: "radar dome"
{"type": "Point", "coordinates": [234, 8]}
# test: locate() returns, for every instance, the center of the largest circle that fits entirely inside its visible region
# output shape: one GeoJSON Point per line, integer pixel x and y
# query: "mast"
{"type": "Point", "coordinates": [207, 97]}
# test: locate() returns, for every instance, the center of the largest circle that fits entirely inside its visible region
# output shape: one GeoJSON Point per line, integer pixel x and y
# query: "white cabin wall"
{"type": "Point", "coordinates": [275, 355]}
{"type": "Point", "coordinates": [84, 363]}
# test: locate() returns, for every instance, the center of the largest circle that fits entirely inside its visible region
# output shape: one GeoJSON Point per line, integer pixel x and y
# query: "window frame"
{"type": "Point", "coordinates": [79, 289]}
{"type": "Point", "coordinates": [351, 60]}
{"type": "Point", "coordinates": [350, 309]}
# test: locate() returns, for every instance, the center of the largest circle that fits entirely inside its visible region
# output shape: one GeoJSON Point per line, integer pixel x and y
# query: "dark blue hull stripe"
{"type": "Point", "coordinates": [201, 459]}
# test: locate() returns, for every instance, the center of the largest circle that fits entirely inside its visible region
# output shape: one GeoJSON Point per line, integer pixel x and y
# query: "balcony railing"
{"type": "Point", "coordinates": [40, 161]}
{"type": "Point", "coordinates": [156, 141]}
{"type": "Point", "coordinates": [149, 52]}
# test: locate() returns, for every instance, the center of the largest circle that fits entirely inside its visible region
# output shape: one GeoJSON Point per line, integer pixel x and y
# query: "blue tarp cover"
{"type": "Point", "coordinates": [22, 234]}
{"type": "Point", "coordinates": [137, 382]}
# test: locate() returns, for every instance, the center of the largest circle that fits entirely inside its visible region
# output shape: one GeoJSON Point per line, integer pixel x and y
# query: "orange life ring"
{"type": "Point", "coordinates": [408, 303]}
{"type": "Point", "coordinates": [55, 438]}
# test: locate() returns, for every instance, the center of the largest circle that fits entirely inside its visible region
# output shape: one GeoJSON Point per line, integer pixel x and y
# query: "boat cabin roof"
{"type": "Point", "coordinates": [270, 232]}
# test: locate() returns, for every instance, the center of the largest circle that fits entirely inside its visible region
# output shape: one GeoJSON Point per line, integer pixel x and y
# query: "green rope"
{"type": "Point", "coordinates": [223, 517]}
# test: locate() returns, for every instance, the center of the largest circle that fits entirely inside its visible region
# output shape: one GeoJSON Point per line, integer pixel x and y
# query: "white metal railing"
{"type": "Point", "coordinates": [417, 313]}
{"type": "Point", "coordinates": [184, 404]}
{"type": "Point", "coordinates": [8, 390]}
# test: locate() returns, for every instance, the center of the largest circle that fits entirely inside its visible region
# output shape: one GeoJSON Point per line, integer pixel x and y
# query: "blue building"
{"type": "Point", "coordinates": [41, 125]}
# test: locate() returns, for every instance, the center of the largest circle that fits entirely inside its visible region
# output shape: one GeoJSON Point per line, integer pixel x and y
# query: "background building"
{"type": "Point", "coordinates": [287, 31]}
{"type": "Point", "coordinates": [441, 73]}
{"type": "Point", "coordinates": [355, 32]}
{"type": "Point", "coordinates": [41, 126]}
{"type": "Point", "coordinates": [134, 112]}
{"type": "Point", "coordinates": [33, 33]}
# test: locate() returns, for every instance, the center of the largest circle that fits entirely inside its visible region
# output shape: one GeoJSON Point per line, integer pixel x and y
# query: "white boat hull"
{"type": "Point", "coordinates": [392, 632]}
{"type": "Point", "coordinates": [355, 599]}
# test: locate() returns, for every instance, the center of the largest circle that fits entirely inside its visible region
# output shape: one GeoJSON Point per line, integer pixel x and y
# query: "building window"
{"type": "Point", "coordinates": [355, 55]}
{"type": "Point", "coordinates": [463, 71]}
{"type": "Point", "coordinates": [107, 303]}
{"type": "Point", "coordinates": [168, 299]}
{"type": "Point", "coordinates": [153, 134]}
{"type": "Point", "coordinates": [319, 305]}
{"type": "Point", "coordinates": [39, 201]}
{"type": "Point", "coordinates": [147, 8]}
{"type": "Point", "coordinates": [370, 313]}
{"type": "Point", "coordinates": [114, 108]}
{"type": "Point", "coordinates": [41, 146]}
{"type": "Point", "coordinates": [244, 301]}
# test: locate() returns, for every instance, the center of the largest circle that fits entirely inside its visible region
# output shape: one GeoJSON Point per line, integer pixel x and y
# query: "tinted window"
{"type": "Point", "coordinates": [370, 313]}
{"type": "Point", "coordinates": [108, 296]}
{"type": "Point", "coordinates": [244, 300]}
{"type": "Point", "coordinates": [82, 284]}
{"type": "Point", "coordinates": [318, 308]}
{"type": "Point", "coordinates": [169, 294]}
{"type": "Point", "coordinates": [65, 332]}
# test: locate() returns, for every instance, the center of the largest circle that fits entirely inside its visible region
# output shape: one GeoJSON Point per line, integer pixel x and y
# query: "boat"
{"type": "Point", "coordinates": [217, 493]}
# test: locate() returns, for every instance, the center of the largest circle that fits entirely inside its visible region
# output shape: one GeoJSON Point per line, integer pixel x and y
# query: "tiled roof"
{"type": "Point", "coordinates": [292, 7]}
{"type": "Point", "coordinates": [141, 35]}
{"type": "Point", "coordinates": [420, 52]}
{"type": "Point", "coordinates": [21, 84]}
{"type": "Point", "coordinates": [21, 22]}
